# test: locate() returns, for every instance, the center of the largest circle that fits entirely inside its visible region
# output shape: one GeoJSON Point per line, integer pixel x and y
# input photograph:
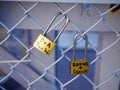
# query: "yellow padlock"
{"type": "Point", "coordinates": [44, 44]}
{"type": "Point", "coordinates": [79, 66]}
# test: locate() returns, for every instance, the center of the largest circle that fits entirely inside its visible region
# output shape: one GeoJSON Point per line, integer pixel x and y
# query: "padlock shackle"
{"type": "Point", "coordinates": [52, 21]}
{"type": "Point", "coordinates": [85, 37]}
{"type": "Point", "coordinates": [50, 24]}
{"type": "Point", "coordinates": [63, 27]}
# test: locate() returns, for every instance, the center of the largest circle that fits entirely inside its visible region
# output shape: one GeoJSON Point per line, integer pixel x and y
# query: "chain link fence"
{"type": "Point", "coordinates": [18, 68]}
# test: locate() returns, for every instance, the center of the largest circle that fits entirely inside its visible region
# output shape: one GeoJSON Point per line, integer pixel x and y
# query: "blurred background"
{"type": "Point", "coordinates": [22, 22]}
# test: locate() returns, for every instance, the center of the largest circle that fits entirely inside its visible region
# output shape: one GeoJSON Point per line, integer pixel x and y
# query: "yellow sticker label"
{"type": "Point", "coordinates": [43, 44]}
{"type": "Point", "coordinates": [79, 66]}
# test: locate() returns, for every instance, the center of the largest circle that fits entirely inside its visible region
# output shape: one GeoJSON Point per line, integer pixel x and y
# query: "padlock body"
{"type": "Point", "coordinates": [79, 66]}
{"type": "Point", "coordinates": [44, 44]}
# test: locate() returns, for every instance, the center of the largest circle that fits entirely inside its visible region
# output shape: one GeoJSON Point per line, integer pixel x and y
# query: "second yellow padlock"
{"type": "Point", "coordinates": [79, 66]}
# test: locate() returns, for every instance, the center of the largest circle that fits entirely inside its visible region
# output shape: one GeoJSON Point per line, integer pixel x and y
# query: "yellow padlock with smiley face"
{"type": "Point", "coordinates": [44, 44]}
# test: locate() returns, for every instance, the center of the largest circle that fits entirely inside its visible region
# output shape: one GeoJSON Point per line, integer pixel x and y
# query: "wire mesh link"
{"type": "Point", "coordinates": [46, 69]}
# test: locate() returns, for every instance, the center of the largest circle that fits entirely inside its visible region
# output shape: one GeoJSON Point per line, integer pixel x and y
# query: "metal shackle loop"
{"type": "Point", "coordinates": [63, 28]}
{"type": "Point", "coordinates": [85, 37]}
{"type": "Point", "coordinates": [52, 21]}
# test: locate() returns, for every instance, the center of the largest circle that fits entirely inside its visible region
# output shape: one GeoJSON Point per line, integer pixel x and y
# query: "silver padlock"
{"type": "Point", "coordinates": [44, 44]}
{"type": "Point", "coordinates": [79, 66]}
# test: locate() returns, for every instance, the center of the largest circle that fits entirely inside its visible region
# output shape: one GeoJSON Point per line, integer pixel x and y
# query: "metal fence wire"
{"type": "Point", "coordinates": [17, 68]}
